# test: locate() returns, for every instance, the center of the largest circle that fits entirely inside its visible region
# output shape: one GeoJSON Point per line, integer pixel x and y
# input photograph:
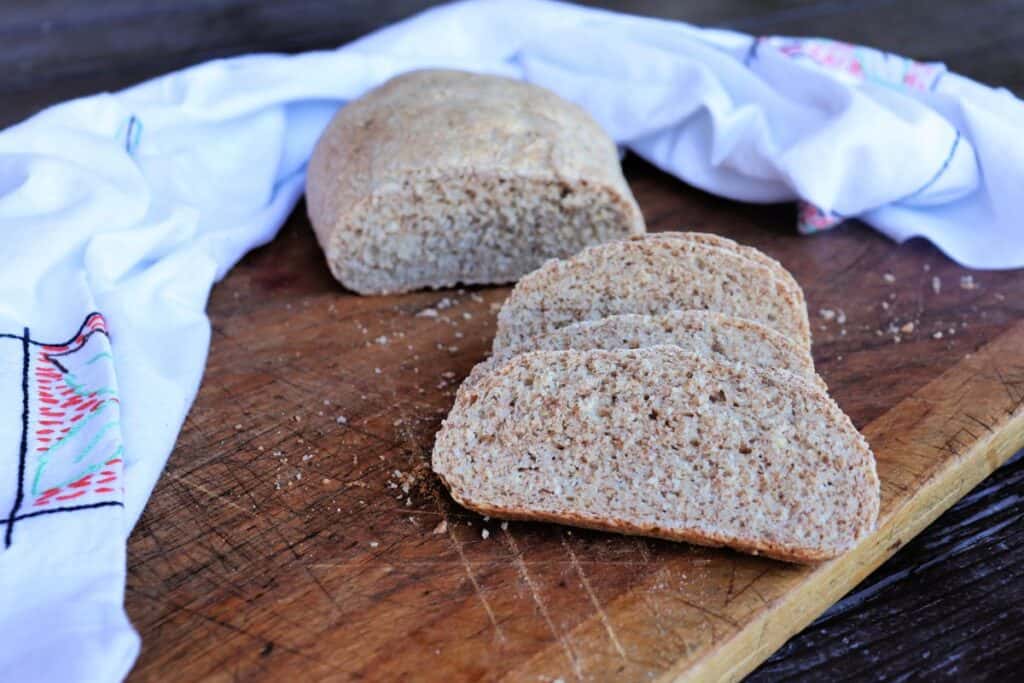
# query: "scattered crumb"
{"type": "Point", "coordinates": [889, 278]}
{"type": "Point", "coordinates": [967, 282]}
{"type": "Point", "coordinates": [327, 401]}
{"type": "Point", "coordinates": [297, 418]}
{"type": "Point", "coordinates": [476, 297]}
{"type": "Point", "coordinates": [927, 267]}
{"type": "Point", "coordinates": [841, 317]}
{"type": "Point", "coordinates": [504, 526]}
{"type": "Point", "coordinates": [467, 316]}
{"type": "Point", "coordinates": [1000, 297]}
{"type": "Point", "coordinates": [427, 313]}
{"type": "Point", "coordinates": [374, 544]}
{"type": "Point", "coordinates": [441, 527]}
{"type": "Point", "coordinates": [382, 340]}
{"type": "Point", "coordinates": [885, 305]}
{"type": "Point", "coordinates": [936, 284]}
{"type": "Point", "coordinates": [827, 313]}
{"type": "Point", "coordinates": [485, 534]}
{"type": "Point", "coordinates": [937, 335]}
{"type": "Point", "coordinates": [448, 375]}
{"type": "Point", "coordinates": [896, 339]}
{"type": "Point", "coordinates": [376, 371]}
{"type": "Point", "coordinates": [307, 457]}
{"type": "Point", "coordinates": [259, 448]}
{"type": "Point", "coordinates": [238, 427]}
{"type": "Point", "coordinates": [445, 303]}
{"type": "Point", "coordinates": [907, 328]}
{"type": "Point", "coordinates": [341, 419]}
{"type": "Point", "coordinates": [325, 481]}
{"type": "Point", "coordinates": [453, 349]}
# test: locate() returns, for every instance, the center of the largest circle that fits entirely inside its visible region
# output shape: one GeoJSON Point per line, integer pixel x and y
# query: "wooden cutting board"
{"type": "Point", "coordinates": [298, 533]}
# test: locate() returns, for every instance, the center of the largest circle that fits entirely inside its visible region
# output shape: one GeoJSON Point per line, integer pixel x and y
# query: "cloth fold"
{"type": "Point", "coordinates": [119, 211]}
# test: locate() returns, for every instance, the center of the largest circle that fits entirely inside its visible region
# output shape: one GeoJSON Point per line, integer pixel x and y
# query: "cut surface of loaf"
{"type": "Point", "coordinates": [664, 443]}
{"type": "Point", "coordinates": [713, 240]}
{"type": "Point", "coordinates": [706, 333]}
{"type": "Point", "coordinates": [653, 275]}
{"type": "Point", "coordinates": [442, 177]}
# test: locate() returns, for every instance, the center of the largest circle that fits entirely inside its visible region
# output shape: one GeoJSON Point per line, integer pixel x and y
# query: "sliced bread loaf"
{"type": "Point", "coordinates": [712, 335]}
{"type": "Point", "coordinates": [441, 177]}
{"type": "Point", "coordinates": [658, 274]}
{"type": "Point", "coordinates": [664, 443]}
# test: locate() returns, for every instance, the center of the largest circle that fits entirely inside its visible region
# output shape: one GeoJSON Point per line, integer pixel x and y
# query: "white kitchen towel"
{"type": "Point", "coordinates": [119, 211]}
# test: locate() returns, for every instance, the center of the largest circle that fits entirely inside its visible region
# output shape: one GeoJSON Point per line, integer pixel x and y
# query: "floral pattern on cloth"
{"type": "Point", "coordinates": [854, 65]}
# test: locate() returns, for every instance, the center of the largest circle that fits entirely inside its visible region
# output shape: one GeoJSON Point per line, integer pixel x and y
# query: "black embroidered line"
{"type": "Point", "coordinates": [752, 51]}
{"type": "Point", "coordinates": [71, 508]}
{"type": "Point", "coordinates": [9, 534]}
{"type": "Point", "coordinates": [86, 337]}
{"type": "Point", "coordinates": [56, 362]}
{"type": "Point", "coordinates": [8, 335]}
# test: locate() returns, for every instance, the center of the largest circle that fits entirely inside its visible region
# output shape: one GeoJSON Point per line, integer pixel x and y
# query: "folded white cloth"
{"type": "Point", "coordinates": [131, 205]}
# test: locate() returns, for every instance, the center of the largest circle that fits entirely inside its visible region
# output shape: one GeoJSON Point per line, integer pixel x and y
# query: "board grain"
{"type": "Point", "coordinates": [298, 531]}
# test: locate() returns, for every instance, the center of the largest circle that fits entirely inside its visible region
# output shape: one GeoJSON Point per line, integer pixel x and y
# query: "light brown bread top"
{"type": "Point", "coordinates": [713, 240]}
{"type": "Point", "coordinates": [658, 274]}
{"type": "Point", "coordinates": [706, 333]}
{"type": "Point", "coordinates": [421, 179]}
{"type": "Point", "coordinates": [664, 443]}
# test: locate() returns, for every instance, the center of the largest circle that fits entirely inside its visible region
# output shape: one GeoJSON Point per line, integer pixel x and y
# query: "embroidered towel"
{"type": "Point", "coordinates": [119, 211]}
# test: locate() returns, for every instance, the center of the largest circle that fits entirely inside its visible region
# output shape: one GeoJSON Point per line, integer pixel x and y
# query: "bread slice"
{"type": "Point", "coordinates": [654, 275]}
{"type": "Point", "coordinates": [661, 442]}
{"type": "Point", "coordinates": [756, 255]}
{"type": "Point", "coordinates": [441, 177]}
{"type": "Point", "coordinates": [709, 334]}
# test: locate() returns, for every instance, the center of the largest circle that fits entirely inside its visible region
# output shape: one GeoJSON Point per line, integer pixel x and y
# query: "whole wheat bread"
{"type": "Point", "coordinates": [664, 443]}
{"type": "Point", "coordinates": [654, 275]}
{"type": "Point", "coordinates": [709, 334]}
{"type": "Point", "coordinates": [442, 177]}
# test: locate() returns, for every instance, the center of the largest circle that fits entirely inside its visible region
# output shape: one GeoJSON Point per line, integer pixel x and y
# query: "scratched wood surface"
{"type": "Point", "coordinates": [298, 531]}
{"type": "Point", "coordinates": [219, 588]}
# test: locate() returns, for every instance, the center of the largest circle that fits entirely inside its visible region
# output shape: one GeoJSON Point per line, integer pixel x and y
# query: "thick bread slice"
{"type": "Point", "coordinates": [661, 442]}
{"type": "Point", "coordinates": [706, 333]}
{"type": "Point", "coordinates": [713, 240]}
{"type": "Point", "coordinates": [650, 276]}
{"type": "Point", "coordinates": [442, 177]}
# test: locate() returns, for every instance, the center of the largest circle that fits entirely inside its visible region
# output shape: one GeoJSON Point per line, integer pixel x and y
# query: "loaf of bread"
{"type": "Point", "coordinates": [709, 334]}
{"type": "Point", "coordinates": [665, 443]}
{"type": "Point", "coordinates": [443, 177]}
{"type": "Point", "coordinates": [657, 274]}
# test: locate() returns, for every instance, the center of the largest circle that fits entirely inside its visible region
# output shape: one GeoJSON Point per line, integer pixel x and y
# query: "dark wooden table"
{"type": "Point", "coordinates": [950, 602]}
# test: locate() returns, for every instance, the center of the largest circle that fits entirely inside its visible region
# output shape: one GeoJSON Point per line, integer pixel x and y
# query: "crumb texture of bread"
{"type": "Point", "coordinates": [665, 443]}
{"type": "Point", "coordinates": [706, 333]}
{"type": "Point", "coordinates": [657, 274]}
{"type": "Point", "coordinates": [442, 177]}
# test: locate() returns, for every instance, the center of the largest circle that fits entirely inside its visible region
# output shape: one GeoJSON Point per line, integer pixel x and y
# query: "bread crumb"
{"type": "Point", "coordinates": [504, 526]}
{"type": "Point", "coordinates": [341, 419]}
{"type": "Point", "coordinates": [382, 340]}
{"type": "Point", "coordinates": [827, 313]}
{"type": "Point", "coordinates": [907, 328]}
{"type": "Point", "coordinates": [467, 316]}
{"type": "Point", "coordinates": [936, 284]}
{"type": "Point", "coordinates": [327, 401]}
{"type": "Point", "coordinates": [889, 278]}
{"type": "Point", "coordinates": [885, 305]}
{"type": "Point", "coordinates": [427, 313]}
{"type": "Point", "coordinates": [841, 317]}
{"type": "Point", "coordinates": [376, 371]}
{"type": "Point", "coordinates": [441, 527]}
{"type": "Point", "coordinates": [238, 427]}
{"type": "Point", "coordinates": [926, 267]}
{"type": "Point", "coordinates": [967, 282]}
{"type": "Point", "coordinates": [485, 534]}
{"type": "Point", "coordinates": [374, 544]}
{"type": "Point", "coordinates": [1000, 297]}
{"type": "Point", "coordinates": [937, 335]}
{"type": "Point", "coordinates": [444, 303]}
